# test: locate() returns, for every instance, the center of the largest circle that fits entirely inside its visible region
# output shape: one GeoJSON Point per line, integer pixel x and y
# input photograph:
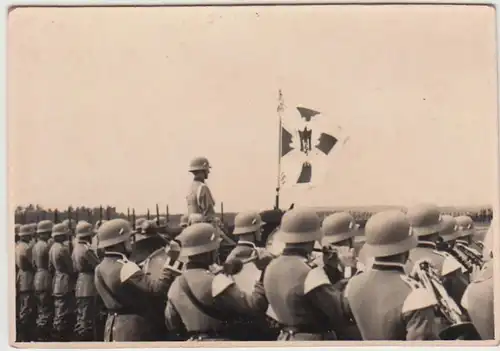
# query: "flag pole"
{"type": "Point", "coordinates": [280, 128]}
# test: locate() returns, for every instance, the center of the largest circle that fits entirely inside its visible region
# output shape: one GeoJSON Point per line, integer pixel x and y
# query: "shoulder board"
{"type": "Point", "coordinates": [314, 279]}
{"type": "Point", "coordinates": [128, 269]}
{"type": "Point", "coordinates": [418, 299]}
{"type": "Point", "coordinates": [465, 299]}
{"type": "Point", "coordinates": [412, 283]}
{"type": "Point", "coordinates": [450, 265]}
{"type": "Point", "coordinates": [220, 283]}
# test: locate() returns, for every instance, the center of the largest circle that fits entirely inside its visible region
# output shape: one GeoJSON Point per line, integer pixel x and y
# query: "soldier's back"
{"type": "Point", "coordinates": [25, 274]}
{"type": "Point", "coordinates": [241, 252]}
{"type": "Point", "coordinates": [43, 279]}
{"type": "Point", "coordinates": [85, 269]}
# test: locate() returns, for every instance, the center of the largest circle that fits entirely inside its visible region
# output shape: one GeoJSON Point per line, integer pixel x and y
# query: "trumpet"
{"type": "Point", "coordinates": [460, 328]}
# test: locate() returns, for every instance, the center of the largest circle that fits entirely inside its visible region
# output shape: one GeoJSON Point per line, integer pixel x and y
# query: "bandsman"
{"type": "Point", "coordinates": [63, 283]}
{"type": "Point", "coordinates": [147, 241]}
{"type": "Point", "coordinates": [303, 299]}
{"type": "Point", "coordinates": [43, 281]}
{"type": "Point", "coordinates": [85, 261]}
{"type": "Point", "coordinates": [426, 222]}
{"type": "Point", "coordinates": [248, 229]}
{"type": "Point", "coordinates": [386, 303]}
{"type": "Point", "coordinates": [24, 283]}
{"type": "Point", "coordinates": [125, 288]}
{"type": "Point", "coordinates": [467, 232]}
{"type": "Point", "coordinates": [201, 305]}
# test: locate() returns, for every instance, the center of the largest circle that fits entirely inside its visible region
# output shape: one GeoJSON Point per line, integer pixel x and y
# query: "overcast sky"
{"type": "Point", "coordinates": [108, 105]}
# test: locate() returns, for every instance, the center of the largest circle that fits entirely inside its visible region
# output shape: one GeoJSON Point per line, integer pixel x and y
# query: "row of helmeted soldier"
{"type": "Point", "coordinates": [420, 275]}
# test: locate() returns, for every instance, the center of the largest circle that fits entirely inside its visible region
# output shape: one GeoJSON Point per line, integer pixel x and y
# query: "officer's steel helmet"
{"type": "Point", "coordinates": [83, 229]}
{"type": "Point", "coordinates": [197, 239]}
{"type": "Point", "coordinates": [184, 221]}
{"type": "Point", "coordinates": [60, 229]}
{"type": "Point", "coordinates": [113, 232]}
{"type": "Point", "coordinates": [388, 233]}
{"type": "Point", "coordinates": [247, 222]}
{"type": "Point", "coordinates": [17, 227]}
{"type": "Point", "coordinates": [299, 226]}
{"type": "Point", "coordinates": [338, 227]}
{"type": "Point", "coordinates": [26, 230]}
{"type": "Point", "coordinates": [199, 164]}
{"type": "Point", "coordinates": [449, 230]}
{"type": "Point", "coordinates": [425, 219]}
{"type": "Point", "coordinates": [195, 218]}
{"type": "Point", "coordinates": [149, 227]}
{"type": "Point", "coordinates": [465, 226]}
{"type": "Point", "coordinates": [44, 226]}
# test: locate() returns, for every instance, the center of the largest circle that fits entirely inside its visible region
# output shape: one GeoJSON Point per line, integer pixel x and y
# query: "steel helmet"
{"type": "Point", "coordinates": [197, 239]}
{"type": "Point", "coordinates": [139, 222]}
{"type": "Point", "coordinates": [44, 226]}
{"type": "Point", "coordinates": [184, 221]}
{"type": "Point", "coordinates": [83, 229]}
{"type": "Point", "coordinates": [195, 218]}
{"type": "Point", "coordinates": [247, 222]}
{"type": "Point", "coordinates": [299, 226]}
{"type": "Point", "coordinates": [161, 222]}
{"type": "Point", "coordinates": [465, 226]}
{"type": "Point", "coordinates": [425, 219]}
{"type": "Point", "coordinates": [388, 233]}
{"type": "Point", "coordinates": [338, 227]}
{"type": "Point", "coordinates": [199, 164]}
{"type": "Point", "coordinates": [113, 232]}
{"type": "Point", "coordinates": [70, 223]}
{"type": "Point", "coordinates": [148, 227]}
{"type": "Point", "coordinates": [26, 230]}
{"type": "Point", "coordinates": [98, 224]}
{"type": "Point", "coordinates": [449, 230]}
{"type": "Point", "coordinates": [60, 229]}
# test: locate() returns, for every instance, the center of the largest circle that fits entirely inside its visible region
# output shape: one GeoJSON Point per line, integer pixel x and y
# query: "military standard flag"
{"type": "Point", "coordinates": [308, 141]}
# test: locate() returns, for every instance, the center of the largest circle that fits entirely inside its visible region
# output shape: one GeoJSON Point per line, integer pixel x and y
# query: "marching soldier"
{"type": "Point", "coordinates": [184, 221]}
{"type": "Point", "coordinates": [63, 286]}
{"type": "Point", "coordinates": [24, 285]}
{"type": "Point", "coordinates": [248, 228]}
{"type": "Point", "coordinates": [202, 305]}
{"type": "Point", "coordinates": [43, 281]}
{"type": "Point", "coordinates": [385, 302]}
{"type": "Point", "coordinates": [199, 198]}
{"type": "Point", "coordinates": [426, 222]}
{"type": "Point", "coordinates": [84, 262]}
{"type": "Point", "coordinates": [124, 287]}
{"type": "Point", "coordinates": [300, 294]}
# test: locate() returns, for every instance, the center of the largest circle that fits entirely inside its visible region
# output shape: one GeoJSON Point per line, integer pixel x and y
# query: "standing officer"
{"type": "Point", "coordinates": [43, 281]}
{"type": "Point", "coordinates": [85, 261]}
{"type": "Point", "coordinates": [248, 228]}
{"type": "Point", "coordinates": [199, 198]}
{"type": "Point", "coordinates": [300, 294]}
{"type": "Point", "coordinates": [24, 284]}
{"type": "Point", "coordinates": [203, 305]}
{"type": "Point", "coordinates": [426, 222]}
{"type": "Point", "coordinates": [124, 287]}
{"type": "Point", "coordinates": [385, 302]}
{"type": "Point", "coordinates": [63, 286]}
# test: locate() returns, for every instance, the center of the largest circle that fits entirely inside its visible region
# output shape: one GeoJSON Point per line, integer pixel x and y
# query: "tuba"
{"type": "Point", "coordinates": [460, 327]}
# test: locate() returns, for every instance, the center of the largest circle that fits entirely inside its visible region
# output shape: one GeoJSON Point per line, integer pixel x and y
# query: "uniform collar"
{"type": "Point", "coordinates": [295, 251]}
{"type": "Point", "coordinates": [427, 244]}
{"type": "Point", "coordinates": [247, 243]}
{"type": "Point", "coordinates": [388, 266]}
{"type": "Point", "coordinates": [114, 254]}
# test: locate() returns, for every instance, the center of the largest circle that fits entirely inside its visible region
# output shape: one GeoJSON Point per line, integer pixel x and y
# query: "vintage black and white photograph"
{"type": "Point", "coordinates": [186, 174]}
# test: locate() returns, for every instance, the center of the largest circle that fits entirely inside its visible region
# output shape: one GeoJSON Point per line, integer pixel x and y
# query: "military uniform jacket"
{"type": "Point", "coordinates": [478, 301]}
{"type": "Point", "coordinates": [389, 305]}
{"type": "Point", "coordinates": [25, 273]}
{"type": "Point", "coordinates": [243, 250]}
{"type": "Point", "coordinates": [84, 262]}
{"type": "Point", "coordinates": [302, 296]}
{"type": "Point", "coordinates": [219, 296]}
{"type": "Point", "coordinates": [454, 279]}
{"type": "Point", "coordinates": [61, 264]}
{"type": "Point", "coordinates": [200, 200]}
{"type": "Point", "coordinates": [40, 254]}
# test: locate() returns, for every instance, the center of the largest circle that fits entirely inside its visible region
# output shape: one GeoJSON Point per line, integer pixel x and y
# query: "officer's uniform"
{"type": "Point", "coordinates": [302, 297]}
{"type": "Point", "coordinates": [24, 286]}
{"type": "Point", "coordinates": [478, 301]}
{"type": "Point", "coordinates": [85, 261]}
{"type": "Point", "coordinates": [425, 220]}
{"type": "Point", "coordinates": [385, 302]}
{"type": "Point", "coordinates": [202, 305]}
{"type": "Point", "coordinates": [43, 282]}
{"type": "Point", "coordinates": [246, 223]}
{"type": "Point", "coordinates": [63, 285]}
{"type": "Point", "coordinates": [125, 289]}
{"type": "Point", "coordinates": [199, 198]}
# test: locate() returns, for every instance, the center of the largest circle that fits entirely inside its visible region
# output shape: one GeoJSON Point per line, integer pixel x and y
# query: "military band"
{"type": "Point", "coordinates": [420, 275]}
